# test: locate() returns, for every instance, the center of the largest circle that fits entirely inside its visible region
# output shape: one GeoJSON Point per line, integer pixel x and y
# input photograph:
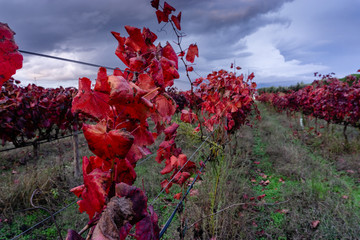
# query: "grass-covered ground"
{"type": "Point", "coordinates": [275, 180]}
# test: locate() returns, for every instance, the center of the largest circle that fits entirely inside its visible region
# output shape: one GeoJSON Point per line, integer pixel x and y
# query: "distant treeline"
{"type": "Point", "coordinates": [287, 89]}
{"type": "Point", "coordinates": [351, 79]}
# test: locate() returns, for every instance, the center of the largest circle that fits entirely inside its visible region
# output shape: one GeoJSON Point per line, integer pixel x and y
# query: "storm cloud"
{"type": "Point", "coordinates": [282, 41]}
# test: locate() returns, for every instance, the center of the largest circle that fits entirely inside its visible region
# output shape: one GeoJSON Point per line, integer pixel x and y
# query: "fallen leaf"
{"type": "Point", "coordinates": [177, 196]}
{"type": "Point", "coordinates": [264, 183]}
{"type": "Point", "coordinates": [283, 211]}
{"type": "Point", "coordinates": [260, 197]}
{"type": "Point", "coordinates": [315, 224]}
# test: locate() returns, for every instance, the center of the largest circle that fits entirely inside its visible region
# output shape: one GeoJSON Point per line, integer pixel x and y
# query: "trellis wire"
{"type": "Point", "coordinates": [78, 62]}
{"type": "Point", "coordinates": [65, 59]}
{"type": "Point", "coordinates": [39, 142]}
{"type": "Point", "coordinates": [167, 224]}
{"type": "Point", "coordinates": [37, 224]}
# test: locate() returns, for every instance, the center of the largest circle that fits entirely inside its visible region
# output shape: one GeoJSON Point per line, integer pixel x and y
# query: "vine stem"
{"type": "Point", "coordinates": [152, 91]}
{"type": "Point", "coordinates": [179, 37]}
{"type": "Point", "coordinates": [36, 191]}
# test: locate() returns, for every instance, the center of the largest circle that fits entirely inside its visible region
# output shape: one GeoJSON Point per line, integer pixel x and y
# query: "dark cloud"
{"type": "Point", "coordinates": [45, 25]}
{"type": "Point", "coordinates": [81, 29]}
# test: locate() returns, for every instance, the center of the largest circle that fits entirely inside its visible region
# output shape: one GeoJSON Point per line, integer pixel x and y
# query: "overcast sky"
{"type": "Point", "coordinates": [282, 41]}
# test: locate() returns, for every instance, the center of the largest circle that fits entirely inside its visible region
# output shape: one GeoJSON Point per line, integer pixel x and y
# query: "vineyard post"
{"type": "Point", "coordinates": [75, 141]}
{"type": "Point", "coordinates": [345, 135]}
{"type": "Point", "coordinates": [36, 149]}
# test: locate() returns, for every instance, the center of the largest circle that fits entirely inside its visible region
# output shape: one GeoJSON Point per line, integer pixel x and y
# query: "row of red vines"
{"type": "Point", "coordinates": [330, 99]}
{"type": "Point", "coordinates": [32, 113]}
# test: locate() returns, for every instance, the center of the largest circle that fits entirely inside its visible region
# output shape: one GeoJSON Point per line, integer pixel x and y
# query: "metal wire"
{"type": "Point", "coordinates": [65, 59]}
{"type": "Point", "coordinates": [34, 226]}
{"type": "Point", "coordinates": [79, 62]}
{"type": "Point", "coordinates": [167, 224]}
{"type": "Point", "coordinates": [28, 144]}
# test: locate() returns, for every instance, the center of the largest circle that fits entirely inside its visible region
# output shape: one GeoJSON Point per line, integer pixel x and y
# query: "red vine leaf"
{"type": "Point", "coordinates": [176, 20]}
{"type": "Point", "coordinates": [124, 231]}
{"type": "Point", "coordinates": [155, 4]}
{"type": "Point", "coordinates": [168, 9]}
{"type": "Point", "coordinates": [165, 184]}
{"type": "Point", "coordinates": [169, 70]}
{"type": "Point", "coordinates": [120, 50]}
{"type": "Point", "coordinates": [164, 151]}
{"type": "Point", "coordinates": [146, 82]}
{"type": "Point", "coordinates": [137, 63]}
{"type": "Point", "coordinates": [90, 102]}
{"type": "Point", "coordinates": [251, 76]}
{"type": "Point", "coordinates": [138, 199]}
{"type": "Point", "coordinates": [177, 196]}
{"type": "Point", "coordinates": [165, 106]}
{"type": "Point", "coordinates": [149, 37]}
{"type": "Point", "coordinates": [178, 163]}
{"type": "Point", "coordinates": [156, 73]}
{"type": "Point", "coordinates": [123, 91]}
{"type": "Point", "coordinates": [117, 214]}
{"type": "Point", "coordinates": [135, 40]}
{"type": "Point", "coordinates": [171, 130]}
{"type": "Point", "coordinates": [192, 52]}
{"type": "Point", "coordinates": [93, 191]}
{"type": "Point", "coordinates": [181, 177]}
{"type": "Point", "coordinates": [102, 84]}
{"type": "Point", "coordinates": [188, 116]}
{"type": "Point", "coordinates": [148, 228]}
{"type": "Point", "coordinates": [124, 172]}
{"type": "Point", "coordinates": [10, 58]}
{"type": "Point", "coordinates": [169, 53]}
{"type": "Point", "coordinates": [107, 144]}
{"type": "Point", "coordinates": [161, 16]}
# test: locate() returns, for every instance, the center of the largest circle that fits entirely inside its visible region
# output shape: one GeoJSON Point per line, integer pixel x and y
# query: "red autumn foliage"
{"type": "Point", "coordinates": [122, 104]}
{"type": "Point", "coordinates": [10, 58]}
{"type": "Point", "coordinates": [177, 196]}
{"type": "Point", "coordinates": [192, 52]}
{"type": "Point", "coordinates": [33, 113]}
{"type": "Point", "coordinates": [226, 99]}
{"type": "Point", "coordinates": [107, 144]}
{"type": "Point", "coordinates": [176, 20]}
{"type": "Point", "coordinates": [90, 102]}
{"type": "Point", "coordinates": [330, 99]}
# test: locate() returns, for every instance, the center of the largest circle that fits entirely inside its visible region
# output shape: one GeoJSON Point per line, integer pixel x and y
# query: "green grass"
{"type": "Point", "coordinates": [313, 189]}
{"type": "Point", "coordinates": [308, 180]}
